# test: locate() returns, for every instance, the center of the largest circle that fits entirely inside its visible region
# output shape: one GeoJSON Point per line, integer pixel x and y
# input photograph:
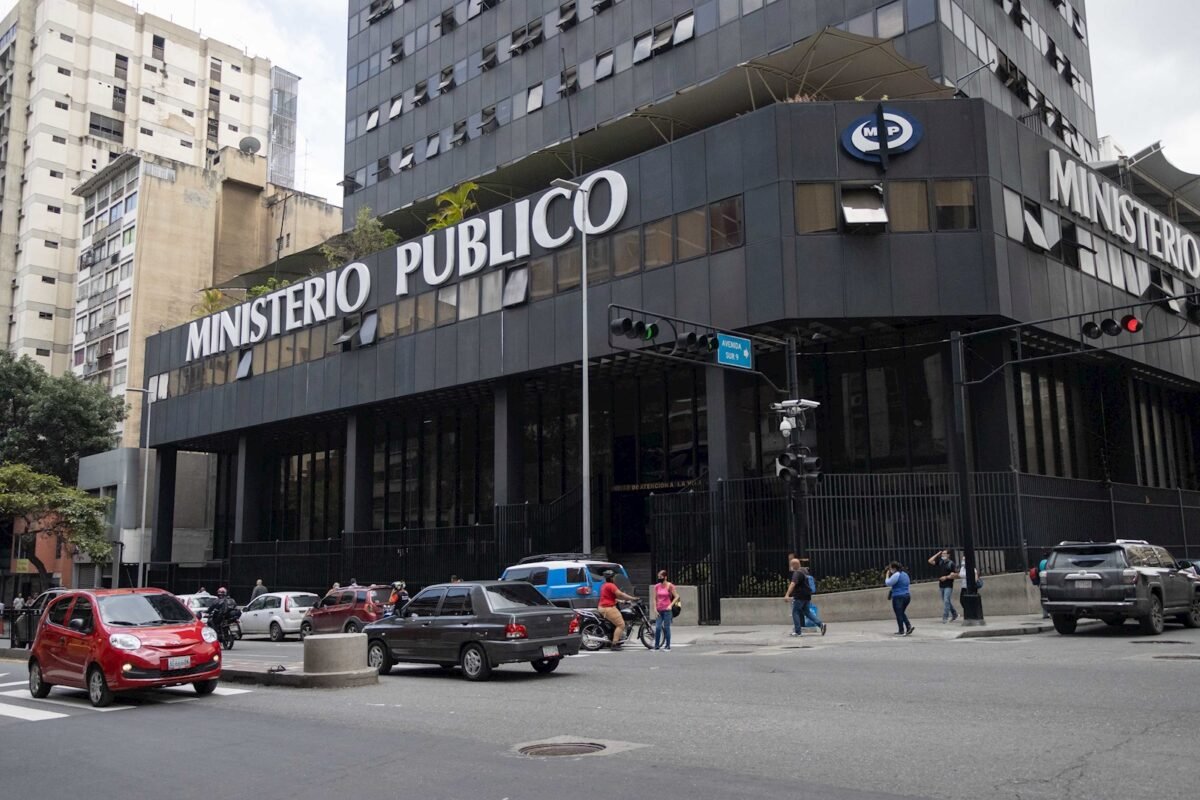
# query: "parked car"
{"type": "Point", "coordinates": [476, 625]}
{"type": "Point", "coordinates": [25, 621]}
{"type": "Point", "coordinates": [1116, 581]}
{"type": "Point", "coordinates": [346, 610]}
{"type": "Point", "coordinates": [114, 640]}
{"type": "Point", "coordinates": [570, 580]}
{"type": "Point", "coordinates": [276, 613]}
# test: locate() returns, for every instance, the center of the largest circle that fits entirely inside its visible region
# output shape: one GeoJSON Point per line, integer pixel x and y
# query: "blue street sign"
{"type": "Point", "coordinates": [734, 351]}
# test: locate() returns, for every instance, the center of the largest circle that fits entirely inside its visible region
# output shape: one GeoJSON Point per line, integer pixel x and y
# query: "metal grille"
{"type": "Point", "coordinates": [309, 565]}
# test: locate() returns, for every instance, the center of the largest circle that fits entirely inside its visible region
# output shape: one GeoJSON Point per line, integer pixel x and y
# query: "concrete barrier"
{"type": "Point", "coordinates": [335, 652]}
{"type": "Point", "coordinates": [689, 598]}
{"type": "Point", "coordinates": [1003, 595]}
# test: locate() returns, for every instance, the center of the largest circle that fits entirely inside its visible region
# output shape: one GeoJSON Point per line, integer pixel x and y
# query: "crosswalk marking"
{"type": "Point", "coordinates": [77, 701]}
{"type": "Point", "coordinates": [28, 714]}
{"type": "Point", "coordinates": [14, 683]}
{"type": "Point", "coordinates": [223, 691]}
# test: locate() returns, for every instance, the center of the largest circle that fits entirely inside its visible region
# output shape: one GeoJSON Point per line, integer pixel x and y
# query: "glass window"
{"type": "Point", "coordinates": [658, 243]}
{"type": "Point", "coordinates": [426, 309]}
{"type": "Point", "coordinates": [908, 206]}
{"type": "Point", "coordinates": [468, 299]}
{"type": "Point", "coordinates": [1014, 221]}
{"type": "Point", "coordinates": [599, 261]}
{"type": "Point", "coordinates": [541, 277]}
{"type": "Point", "coordinates": [889, 20]}
{"type": "Point", "coordinates": [534, 99]}
{"type": "Point", "coordinates": [287, 350]}
{"type": "Point", "coordinates": [954, 202]}
{"type": "Point", "coordinates": [725, 224]}
{"type": "Point", "coordinates": [626, 246]}
{"type": "Point", "coordinates": [425, 604]}
{"type": "Point", "coordinates": [691, 236]}
{"type": "Point", "coordinates": [457, 602]}
{"type": "Point", "coordinates": [568, 268]}
{"type": "Point", "coordinates": [920, 12]}
{"type": "Point", "coordinates": [492, 288]}
{"type": "Point", "coordinates": [405, 309]}
{"type": "Point", "coordinates": [516, 286]}
{"type": "Point", "coordinates": [816, 208]}
{"type": "Point", "coordinates": [447, 305]}
{"type": "Point", "coordinates": [387, 322]}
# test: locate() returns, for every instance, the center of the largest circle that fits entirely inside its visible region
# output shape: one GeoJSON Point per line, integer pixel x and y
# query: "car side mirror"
{"type": "Point", "coordinates": [76, 625]}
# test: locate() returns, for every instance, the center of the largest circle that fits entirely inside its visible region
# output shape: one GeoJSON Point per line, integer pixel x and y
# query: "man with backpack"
{"type": "Point", "coordinates": [800, 594]}
{"type": "Point", "coordinates": [1035, 577]}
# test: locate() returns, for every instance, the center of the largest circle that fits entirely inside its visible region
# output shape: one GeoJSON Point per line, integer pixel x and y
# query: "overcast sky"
{"type": "Point", "coordinates": [1144, 58]}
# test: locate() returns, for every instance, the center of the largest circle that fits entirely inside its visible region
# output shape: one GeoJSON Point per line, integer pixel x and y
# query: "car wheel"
{"type": "Point", "coordinates": [305, 630]}
{"type": "Point", "coordinates": [1064, 623]}
{"type": "Point", "coordinates": [205, 688]}
{"type": "Point", "coordinates": [37, 686]}
{"type": "Point", "coordinates": [544, 666]}
{"type": "Point", "coordinates": [98, 692]}
{"type": "Point", "coordinates": [378, 657]}
{"type": "Point", "coordinates": [276, 632]}
{"type": "Point", "coordinates": [593, 636]}
{"type": "Point", "coordinates": [1192, 618]}
{"type": "Point", "coordinates": [1114, 622]}
{"type": "Point", "coordinates": [353, 626]}
{"type": "Point", "coordinates": [474, 663]}
{"type": "Point", "coordinates": [1152, 623]}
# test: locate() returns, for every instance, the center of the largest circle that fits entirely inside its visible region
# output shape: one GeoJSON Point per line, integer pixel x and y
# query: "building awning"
{"type": "Point", "coordinates": [1149, 174]}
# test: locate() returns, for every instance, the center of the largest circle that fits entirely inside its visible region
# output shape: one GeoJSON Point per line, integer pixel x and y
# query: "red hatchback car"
{"type": "Point", "coordinates": [113, 640]}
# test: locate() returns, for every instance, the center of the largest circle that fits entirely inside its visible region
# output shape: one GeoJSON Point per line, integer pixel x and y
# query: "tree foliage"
{"type": "Point", "coordinates": [271, 284]}
{"type": "Point", "coordinates": [211, 301]}
{"type": "Point", "coordinates": [368, 236]}
{"type": "Point", "coordinates": [453, 207]}
{"type": "Point", "coordinates": [46, 509]}
{"type": "Point", "coordinates": [49, 423]}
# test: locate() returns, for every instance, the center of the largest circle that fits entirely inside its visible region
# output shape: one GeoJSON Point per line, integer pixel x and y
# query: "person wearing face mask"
{"type": "Point", "coordinates": [665, 596]}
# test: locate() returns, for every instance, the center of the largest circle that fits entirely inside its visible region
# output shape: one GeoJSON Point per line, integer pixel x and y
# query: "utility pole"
{"type": "Point", "coordinates": [972, 605]}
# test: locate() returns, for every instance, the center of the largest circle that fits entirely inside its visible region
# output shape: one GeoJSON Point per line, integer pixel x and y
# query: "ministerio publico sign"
{"type": "Point", "coordinates": [462, 250]}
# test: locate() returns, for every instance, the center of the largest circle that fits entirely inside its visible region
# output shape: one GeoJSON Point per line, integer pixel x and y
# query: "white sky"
{"type": "Point", "coordinates": [1144, 59]}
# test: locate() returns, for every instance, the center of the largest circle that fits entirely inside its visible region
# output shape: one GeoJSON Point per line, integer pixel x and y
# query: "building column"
{"type": "Point", "coordinates": [507, 461]}
{"type": "Point", "coordinates": [163, 532]}
{"type": "Point", "coordinates": [992, 421]}
{"type": "Point", "coordinates": [250, 488]}
{"type": "Point", "coordinates": [721, 386]}
{"type": "Point", "coordinates": [359, 467]}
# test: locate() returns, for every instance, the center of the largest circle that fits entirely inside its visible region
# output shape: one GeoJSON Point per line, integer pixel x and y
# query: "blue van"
{"type": "Point", "coordinates": [570, 580]}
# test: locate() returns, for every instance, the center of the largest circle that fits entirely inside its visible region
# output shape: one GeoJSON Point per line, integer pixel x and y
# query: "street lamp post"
{"type": "Point", "coordinates": [586, 418]}
{"type": "Point", "coordinates": [149, 408]}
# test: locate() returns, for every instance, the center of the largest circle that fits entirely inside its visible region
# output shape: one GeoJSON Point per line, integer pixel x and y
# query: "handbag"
{"type": "Point", "coordinates": [676, 608]}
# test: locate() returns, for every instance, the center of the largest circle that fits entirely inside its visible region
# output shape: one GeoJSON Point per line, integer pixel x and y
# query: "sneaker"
{"type": "Point", "coordinates": [668, 647]}
{"type": "Point", "coordinates": [824, 627]}
{"type": "Point", "coordinates": [793, 633]}
{"type": "Point", "coordinates": [909, 631]}
{"type": "Point", "coordinates": [899, 633]}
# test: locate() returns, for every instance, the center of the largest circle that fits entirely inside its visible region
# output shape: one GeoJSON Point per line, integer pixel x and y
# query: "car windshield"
{"type": "Point", "coordinates": [204, 602]}
{"type": "Point", "coordinates": [597, 569]}
{"type": "Point", "coordinates": [1087, 559]}
{"type": "Point", "coordinates": [137, 610]}
{"type": "Point", "coordinates": [514, 596]}
{"type": "Point", "coordinates": [304, 600]}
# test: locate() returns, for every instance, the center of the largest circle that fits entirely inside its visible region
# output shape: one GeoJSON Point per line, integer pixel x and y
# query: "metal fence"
{"type": "Point", "coordinates": [307, 565]}
{"type": "Point", "coordinates": [186, 578]}
{"type": "Point", "coordinates": [525, 528]}
{"type": "Point", "coordinates": [733, 541]}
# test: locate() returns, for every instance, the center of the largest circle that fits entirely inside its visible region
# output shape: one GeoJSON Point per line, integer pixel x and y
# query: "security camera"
{"type": "Point", "coordinates": [786, 426]}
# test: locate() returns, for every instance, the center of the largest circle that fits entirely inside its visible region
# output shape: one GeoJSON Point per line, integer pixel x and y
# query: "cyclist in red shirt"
{"type": "Point", "coordinates": [609, 595]}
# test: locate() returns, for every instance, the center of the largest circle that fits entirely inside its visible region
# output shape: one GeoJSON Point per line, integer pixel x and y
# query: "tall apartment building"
{"type": "Point", "coordinates": [81, 83]}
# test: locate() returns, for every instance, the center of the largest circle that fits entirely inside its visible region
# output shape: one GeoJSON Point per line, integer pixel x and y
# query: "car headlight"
{"type": "Point", "coordinates": [125, 641]}
{"type": "Point", "coordinates": [208, 634]}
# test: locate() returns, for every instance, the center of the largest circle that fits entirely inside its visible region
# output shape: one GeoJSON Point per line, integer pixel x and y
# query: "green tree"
{"type": "Point", "coordinates": [211, 301]}
{"type": "Point", "coordinates": [368, 236]}
{"type": "Point", "coordinates": [49, 423]}
{"type": "Point", "coordinates": [46, 509]}
{"type": "Point", "coordinates": [453, 207]}
{"type": "Point", "coordinates": [271, 284]}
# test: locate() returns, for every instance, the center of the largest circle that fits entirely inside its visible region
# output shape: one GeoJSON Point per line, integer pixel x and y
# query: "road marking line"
{"type": "Point", "coordinates": [28, 714]}
{"type": "Point", "coordinates": [14, 683]}
{"type": "Point", "coordinates": [80, 702]}
{"type": "Point", "coordinates": [223, 691]}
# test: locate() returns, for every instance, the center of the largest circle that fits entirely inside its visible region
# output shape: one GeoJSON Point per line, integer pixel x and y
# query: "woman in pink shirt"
{"type": "Point", "coordinates": [665, 597]}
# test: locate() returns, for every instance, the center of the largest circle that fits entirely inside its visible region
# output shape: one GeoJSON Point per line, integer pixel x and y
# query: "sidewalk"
{"type": "Point", "coordinates": [865, 631]}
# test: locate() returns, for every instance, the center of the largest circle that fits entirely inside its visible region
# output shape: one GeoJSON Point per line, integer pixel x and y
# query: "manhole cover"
{"type": "Point", "coordinates": [561, 749]}
{"type": "Point", "coordinates": [1159, 641]}
{"type": "Point", "coordinates": [1178, 658]}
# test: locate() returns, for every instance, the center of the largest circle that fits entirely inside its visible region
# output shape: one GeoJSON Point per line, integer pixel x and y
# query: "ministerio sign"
{"type": "Point", "coordinates": [461, 250]}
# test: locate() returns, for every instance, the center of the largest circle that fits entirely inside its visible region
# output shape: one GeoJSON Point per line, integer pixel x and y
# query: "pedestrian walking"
{"type": "Point", "coordinates": [1, 617]}
{"type": "Point", "coordinates": [1042, 571]}
{"type": "Point", "coordinates": [947, 569]}
{"type": "Point", "coordinates": [665, 598]}
{"type": "Point", "coordinates": [962, 573]}
{"type": "Point", "coordinates": [336, 586]}
{"type": "Point", "coordinates": [897, 582]}
{"type": "Point", "coordinates": [455, 579]}
{"type": "Point", "coordinates": [258, 589]}
{"type": "Point", "coordinates": [810, 611]}
{"type": "Point", "coordinates": [800, 595]}
{"type": "Point", "coordinates": [18, 603]}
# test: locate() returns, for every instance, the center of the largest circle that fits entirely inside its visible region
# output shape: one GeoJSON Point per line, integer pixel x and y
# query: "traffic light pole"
{"type": "Point", "coordinates": [972, 605]}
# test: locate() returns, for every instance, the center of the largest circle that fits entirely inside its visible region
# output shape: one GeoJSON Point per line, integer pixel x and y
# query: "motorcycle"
{"type": "Point", "coordinates": [597, 631]}
{"type": "Point", "coordinates": [228, 629]}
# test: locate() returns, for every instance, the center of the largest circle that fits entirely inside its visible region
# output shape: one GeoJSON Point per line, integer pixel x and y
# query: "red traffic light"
{"type": "Point", "coordinates": [1131, 323]}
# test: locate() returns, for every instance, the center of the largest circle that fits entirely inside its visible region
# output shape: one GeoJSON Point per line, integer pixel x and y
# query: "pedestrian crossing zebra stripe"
{"type": "Point", "coordinates": [28, 714]}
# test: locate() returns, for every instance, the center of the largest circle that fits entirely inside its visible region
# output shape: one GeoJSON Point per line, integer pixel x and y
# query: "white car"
{"type": "Point", "coordinates": [276, 613]}
{"type": "Point", "coordinates": [198, 604]}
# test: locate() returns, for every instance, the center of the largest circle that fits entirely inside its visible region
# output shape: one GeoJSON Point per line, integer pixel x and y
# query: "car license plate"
{"type": "Point", "coordinates": [1083, 584]}
{"type": "Point", "coordinates": [550, 651]}
{"type": "Point", "coordinates": [179, 662]}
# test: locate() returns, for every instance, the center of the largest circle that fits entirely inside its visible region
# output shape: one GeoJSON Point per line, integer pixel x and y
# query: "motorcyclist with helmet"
{"type": "Point", "coordinates": [398, 597]}
{"type": "Point", "coordinates": [222, 613]}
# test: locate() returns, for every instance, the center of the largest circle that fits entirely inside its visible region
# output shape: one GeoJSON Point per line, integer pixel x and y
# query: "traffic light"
{"type": "Point", "coordinates": [693, 343]}
{"type": "Point", "coordinates": [642, 331]}
{"type": "Point", "coordinates": [1111, 327]}
{"type": "Point", "coordinates": [797, 462]}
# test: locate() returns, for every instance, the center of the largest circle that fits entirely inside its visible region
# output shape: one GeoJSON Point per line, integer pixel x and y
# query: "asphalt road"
{"type": "Point", "coordinates": [1099, 715]}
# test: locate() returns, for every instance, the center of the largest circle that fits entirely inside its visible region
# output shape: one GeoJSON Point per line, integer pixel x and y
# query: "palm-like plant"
{"type": "Point", "coordinates": [453, 207]}
{"type": "Point", "coordinates": [212, 300]}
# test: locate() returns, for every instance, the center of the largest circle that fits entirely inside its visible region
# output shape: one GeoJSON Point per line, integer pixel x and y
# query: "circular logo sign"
{"type": "Point", "coordinates": [862, 139]}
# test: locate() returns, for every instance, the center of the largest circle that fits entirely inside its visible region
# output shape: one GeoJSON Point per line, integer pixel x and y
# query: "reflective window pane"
{"type": "Point", "coordinates": [568, 268]}
{"type": "Point", "coordinates": [954, 202]}
{"type": "Point", "coordinates": [493, 285]}
{"type": "Point", "coordinates": [725, 224]}
{"type": "Point", "coordinates": [468, 299]}
{"type": "Point", "coordinates": [658, 243]}
{"type": "Point", "coordinates": [447, 305]}
{"type": "Point", "coordinates": [626, 254]}
{"type": "Point", "coordinates": [426, 309]}
{"type": "Point", "coordinates": [541, 277]}
{"type": "Point", "coordinates": [908, 206]}
{"type": "Point", "coordinates": [816, 208]}
{"type": "Point", "coordinates": [691, 238]}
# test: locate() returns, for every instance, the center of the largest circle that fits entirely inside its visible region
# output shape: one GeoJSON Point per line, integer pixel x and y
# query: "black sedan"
{"type": "Point", "coordinates": [476, 625]}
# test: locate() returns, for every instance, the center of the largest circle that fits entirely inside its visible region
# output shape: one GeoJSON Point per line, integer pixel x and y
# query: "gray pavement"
{"type": "Point", "coordinates": [1105, 713]}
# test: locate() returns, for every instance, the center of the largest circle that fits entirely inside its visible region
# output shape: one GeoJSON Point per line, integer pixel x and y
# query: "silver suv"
{"type": "Point", "coordinates": [1116, 581]}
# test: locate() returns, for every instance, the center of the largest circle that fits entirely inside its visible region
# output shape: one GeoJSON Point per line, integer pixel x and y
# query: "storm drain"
{"type": "Point", "coordinates": [561, 749]}
{"type": "Point", "coordinates": [1178, 658]}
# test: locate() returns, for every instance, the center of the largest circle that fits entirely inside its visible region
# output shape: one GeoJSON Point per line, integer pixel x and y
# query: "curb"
{"type": "Point", "coordinates": [303, 680]}
{"type": "Point", "coordinates": [14, 653]}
